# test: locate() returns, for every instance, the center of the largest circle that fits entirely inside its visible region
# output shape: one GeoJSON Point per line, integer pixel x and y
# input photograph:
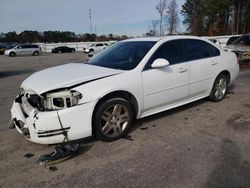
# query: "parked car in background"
{"type": "Point", "coordinates": [94, 53]}
{"type": "Point", "coordinates": [7, 45]}
{"type": "Point", "coordinates": [2, 48]}
{"type": "Point", "coordinates": [23, 49]}
{"type": "Point", "coordinates": [95, 47]}
{"type": "Point", "coordinates": [63, 49]}
{"type": "Point", "coordinates": [91, 55]}
{"type": "Point", "coordinates": [131, 79]}
{"type": "Point", "coordinates": [241, 46]}
{"type": "Point", "coordinates": [232, 39]}
{"type": "Point", "coordinates": [215, 41]}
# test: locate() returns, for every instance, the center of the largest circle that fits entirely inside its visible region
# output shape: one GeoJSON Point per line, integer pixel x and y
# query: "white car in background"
{"type": "Point", "coordinates": [131, 79]}
{"type": "Point", "coordinates": [95, 48]}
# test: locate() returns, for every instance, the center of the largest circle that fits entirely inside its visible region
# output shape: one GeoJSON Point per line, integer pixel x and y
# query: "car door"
{"type": "Point", "coordinates": [20, 50]}
{"type": "Point", "coordinates": [97, 47]}
{"type": "Point", "coordinates": [26, 49]}
{"type": "Point", "coordinates": [169, 84]}
{"type": "Point", "coordinates": [203, 59]}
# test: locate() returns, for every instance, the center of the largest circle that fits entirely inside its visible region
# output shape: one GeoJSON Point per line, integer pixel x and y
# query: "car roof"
{"type": "Point", "coordinates": [156, 39]}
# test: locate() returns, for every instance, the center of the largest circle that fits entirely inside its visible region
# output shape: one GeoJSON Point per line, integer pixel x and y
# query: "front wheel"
{"type": "Point", "coordinates": [112, 119]}
{"type": "Point", "coordinates": [219, 88]}
{"type": "Point", "coordinates": [12, 54]}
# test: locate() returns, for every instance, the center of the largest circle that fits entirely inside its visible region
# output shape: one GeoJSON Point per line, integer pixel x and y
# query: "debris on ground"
{"type": "Point", "coordinates": [53, 168]}
{"type": "Point", "coordinates": [28, 155]}
{"type": "Point", "coordinates": [60, 154]}
{"type": "Point", "coordinates": [128, 137]}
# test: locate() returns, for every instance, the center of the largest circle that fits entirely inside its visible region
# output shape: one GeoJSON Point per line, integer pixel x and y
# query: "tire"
{"type": "Point", "coordinates": [219, 88]}
{"type": "Point", "coordinates": [12, 54]}
{"type": "Point", "coordinates": [91, 50]}
{"type": "Point", "coordinates": [35, 53]}
{"type": "Point", "coordinates": [73, 50]}
{"type": "Point", "coordinates": [112, 119]}
{"type": "Point", "coordinates": [59, 51]}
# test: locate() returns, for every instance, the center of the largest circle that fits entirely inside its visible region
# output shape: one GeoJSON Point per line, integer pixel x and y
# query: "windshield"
{"type": "Point", "coordinates": [12, 46]}
{"type": "Point", "coordinates": [123, 55]}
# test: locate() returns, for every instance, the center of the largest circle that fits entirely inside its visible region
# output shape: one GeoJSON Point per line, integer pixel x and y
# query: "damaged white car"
{"type": "Point", "coordinates": [131, 79]}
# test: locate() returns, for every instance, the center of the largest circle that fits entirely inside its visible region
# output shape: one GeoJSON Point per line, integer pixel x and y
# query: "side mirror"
{"type": "Point", "coordinates": [159, 63]}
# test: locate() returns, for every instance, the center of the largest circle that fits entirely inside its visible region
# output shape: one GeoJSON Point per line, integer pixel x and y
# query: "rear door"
{"type": "Point", "coordinates": [203, 59]}
{"type": "Point", "coordinates": [26, 49]}
{"type": "Point", "coordinates": [166, 85]}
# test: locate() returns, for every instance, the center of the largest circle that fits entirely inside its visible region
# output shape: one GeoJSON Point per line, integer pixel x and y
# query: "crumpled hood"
{"type": "Point", "coordinates": [64, 76]}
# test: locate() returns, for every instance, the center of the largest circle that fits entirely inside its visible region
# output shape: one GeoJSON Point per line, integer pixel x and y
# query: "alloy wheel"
{"type": "Point", "coordinates": [114, 120]}
{"type": "Point", "coordinates": [220, 88]}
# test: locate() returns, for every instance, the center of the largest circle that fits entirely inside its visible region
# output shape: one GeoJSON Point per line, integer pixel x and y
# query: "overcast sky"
{"type": "Point", "coordinates": [130, 17]}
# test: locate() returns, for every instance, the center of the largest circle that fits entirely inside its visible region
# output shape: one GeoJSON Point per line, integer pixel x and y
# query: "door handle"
{"type": "Point", "coordinates": [181, 70]}
{"type": "Point", "coordinates": [214, 63]}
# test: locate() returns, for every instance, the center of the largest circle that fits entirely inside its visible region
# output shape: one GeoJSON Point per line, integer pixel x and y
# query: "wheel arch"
{"type": "Point", "coordinates": [35, 51]}
{"type": "Point", "coordinates": [227, 74]}
{"type": "Point", "coordinates": [118, 94]}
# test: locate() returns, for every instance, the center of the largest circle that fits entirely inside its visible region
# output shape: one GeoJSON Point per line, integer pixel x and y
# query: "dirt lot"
{"type": "Point", "coordinates": [203, 144]}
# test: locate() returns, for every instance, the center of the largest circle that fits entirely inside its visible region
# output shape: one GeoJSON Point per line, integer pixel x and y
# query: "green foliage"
{"type": "Point", "coordinates": [216, 17]}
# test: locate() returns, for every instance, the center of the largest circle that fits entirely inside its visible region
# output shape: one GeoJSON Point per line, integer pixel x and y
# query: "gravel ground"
{"type": "Point", "coordinates": [203, 144]}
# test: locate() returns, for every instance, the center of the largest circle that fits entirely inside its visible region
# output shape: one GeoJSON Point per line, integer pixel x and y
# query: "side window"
{"type": "Point", "coordinates": [198, 49]}
{"type": "Point", "coordinates": [99, 45]}
{"type": "Point", "coordinates": [171, 51]}
{"type": "Point", "coordinates": [213, 51]}
{"type": "Point", "coordinates": [20, 47]}
{"type": "Point", "coordinates": [26, 46]}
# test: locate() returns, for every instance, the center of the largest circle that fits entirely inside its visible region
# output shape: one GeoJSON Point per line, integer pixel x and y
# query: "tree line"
{"type": "Point", "coordinates": [216, 17]}
{"type": "Point", "coordinates": [202, 17]}
{"type": "Point", "coordinates": [55, 36]}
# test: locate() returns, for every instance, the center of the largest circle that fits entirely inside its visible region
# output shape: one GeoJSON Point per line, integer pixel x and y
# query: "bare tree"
{"type": "Point", "coordinates": [161, 8]}
{"type": "Point", "coordinates": [153, 28]}
{"type": "Point", "coordinates": [172, 13]}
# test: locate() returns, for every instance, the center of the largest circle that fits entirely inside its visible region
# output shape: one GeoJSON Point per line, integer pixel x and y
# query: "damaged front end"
{"type": "Point", "coordinates": [37, 117]}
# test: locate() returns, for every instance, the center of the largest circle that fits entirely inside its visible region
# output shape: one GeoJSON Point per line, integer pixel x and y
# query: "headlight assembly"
{"type": "Point", "coordinates": [61, 99]}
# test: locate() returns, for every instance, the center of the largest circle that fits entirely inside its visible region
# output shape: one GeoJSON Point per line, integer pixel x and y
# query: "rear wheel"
{"type": "Point", "coordinates": [73, 50]}
{"type": "Point", "coordinates": [112, 119]}
{"type": "Point", "coordinates": [219, 88]}
{"type": "Point", "coordinates": [12, 54]}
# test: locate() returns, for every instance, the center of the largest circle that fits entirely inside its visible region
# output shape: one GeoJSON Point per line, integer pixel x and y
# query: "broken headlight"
{"type": "Point", "coordinates": [62, 99]}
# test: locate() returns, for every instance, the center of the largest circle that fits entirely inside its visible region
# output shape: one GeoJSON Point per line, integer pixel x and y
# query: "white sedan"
{"type": "Point", "coordinates": [95, 48]}
{"type": "Point", "coordinates": [131, 79]}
